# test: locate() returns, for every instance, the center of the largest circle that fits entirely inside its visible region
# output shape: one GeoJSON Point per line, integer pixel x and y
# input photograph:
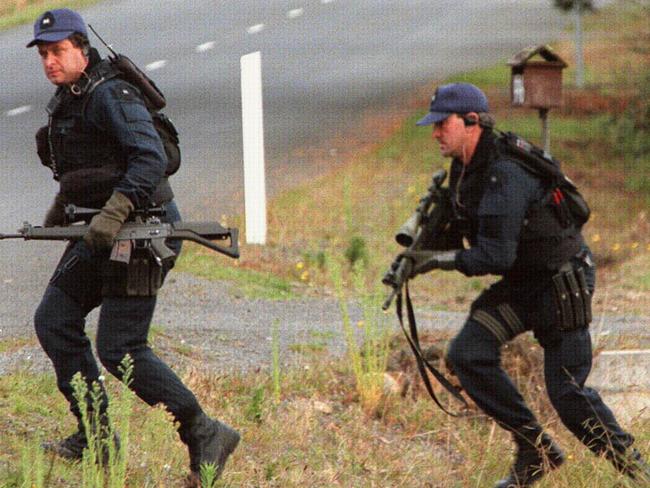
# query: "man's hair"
{"type": "Point", "coordinates": [486, 120]}
{"type": "Point", "coordinates": [80, 41]}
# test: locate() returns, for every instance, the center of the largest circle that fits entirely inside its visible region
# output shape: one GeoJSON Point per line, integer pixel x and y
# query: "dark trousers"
{"type": "Point", "coordinates": [74, 290]}
{"type": "Point", "coordinates": [475, 356]}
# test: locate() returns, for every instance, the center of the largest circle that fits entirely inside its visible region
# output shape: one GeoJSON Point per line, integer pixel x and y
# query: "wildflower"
{"type": "Point", "coordinates": [300, 265]}
{"type": "Point", "coordinates": [595, 238]}
{"type": "Point", "coordinates": [304, 276]}
{"type": "Point", "coordinates": [616, 247]}
{"type": "Point", "coordinates": [361, 324]}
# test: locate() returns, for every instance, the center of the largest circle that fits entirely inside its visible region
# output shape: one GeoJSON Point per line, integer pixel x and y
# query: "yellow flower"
{"type": "Point", "coordinates": [411, 190]}
{"type": "Point", "coordinates": [634, 245]}
{"type": "Point", "coordinates": [595, 238]}
{"type": "Point", "coordinates": [361, 324]}
{"type": "Point", "coordinates": [300, 265]}
{"type": "Point", "coordinates": [304, 276]}
{"type": "Point", "coordinates": [616, 247]}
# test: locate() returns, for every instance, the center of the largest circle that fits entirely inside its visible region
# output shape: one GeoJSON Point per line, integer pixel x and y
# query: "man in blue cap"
{"type": "Point", "coordinates": [103, 149]}
{"type": "Point", "coordinates": [515, 231]}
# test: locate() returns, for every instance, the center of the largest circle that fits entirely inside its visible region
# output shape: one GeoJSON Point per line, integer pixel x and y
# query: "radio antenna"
{"type": "Point", "coordinates": [108, 46]}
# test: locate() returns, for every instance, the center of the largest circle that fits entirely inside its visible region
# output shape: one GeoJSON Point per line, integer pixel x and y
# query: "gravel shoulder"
{"type": "Point", "coordinates": [202, 324]}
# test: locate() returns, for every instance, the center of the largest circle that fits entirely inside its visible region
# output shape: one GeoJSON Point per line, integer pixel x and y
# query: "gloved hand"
{"type": "Point", "coordinates": [106, 224]}
{"type": "Point", "coordinates": [425, 261]}
{"type": "Point", "coordinates": [56, 213]}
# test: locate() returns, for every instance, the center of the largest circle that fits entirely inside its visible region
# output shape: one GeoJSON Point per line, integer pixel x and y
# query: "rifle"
{"type": "Point", "coordinates": [145, 228]}
{"type": "Point", "coordinates": [421, 231]}
{"type": "Point", "coordinates": [429, 220]}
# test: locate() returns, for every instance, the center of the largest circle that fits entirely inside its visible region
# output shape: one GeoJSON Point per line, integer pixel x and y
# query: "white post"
{"type": "Point", "coordinates": [253, 138]}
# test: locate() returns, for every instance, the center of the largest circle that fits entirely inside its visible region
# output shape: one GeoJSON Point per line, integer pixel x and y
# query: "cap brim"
{"type": "Point", "coordinates": [50, 37]}
{"type": "Point", "coordinates": [433, 118]}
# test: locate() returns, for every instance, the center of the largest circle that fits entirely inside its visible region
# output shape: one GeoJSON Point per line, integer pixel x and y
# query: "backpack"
{"type": "Point", "coordinates": [119, 66]}
{"type": "Point", "coordinates": [563, 196]}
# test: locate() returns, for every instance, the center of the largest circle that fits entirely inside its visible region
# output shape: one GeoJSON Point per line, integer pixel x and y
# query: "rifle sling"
{"type": "Point", "coordinates": [421, 362]}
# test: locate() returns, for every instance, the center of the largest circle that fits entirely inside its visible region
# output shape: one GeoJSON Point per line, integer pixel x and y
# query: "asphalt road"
{"type": "Point", "coordinates": [327, 64]}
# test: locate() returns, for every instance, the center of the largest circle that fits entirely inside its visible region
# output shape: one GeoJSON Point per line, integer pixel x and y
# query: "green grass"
{"type": "Point", "coordinates": [241, 282]}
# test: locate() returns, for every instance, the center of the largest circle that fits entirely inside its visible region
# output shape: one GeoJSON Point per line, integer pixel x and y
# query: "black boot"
{"type": "Point", "coordinates": [632, 464]}
{"type": "Point", "coordinates": [72, 447]}
{"type": "Point", "coordinates": [537, 454]}
{"type": "Point", "coordinates": [209, 442]}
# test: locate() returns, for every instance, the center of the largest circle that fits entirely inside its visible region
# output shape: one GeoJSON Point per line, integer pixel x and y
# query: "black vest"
{"type": "Point", "coordinates": [545, 242]}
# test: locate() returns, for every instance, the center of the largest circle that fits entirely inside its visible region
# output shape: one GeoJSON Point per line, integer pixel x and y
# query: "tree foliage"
{"type": "Point", "coordinates": [568, 5]}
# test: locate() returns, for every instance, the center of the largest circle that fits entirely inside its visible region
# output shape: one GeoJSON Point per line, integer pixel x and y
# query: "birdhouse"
{"type": "Point", "coordinates": [536, 78]}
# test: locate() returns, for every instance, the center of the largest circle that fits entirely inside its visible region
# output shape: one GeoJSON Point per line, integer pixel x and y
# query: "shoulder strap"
{"type": "Point", "coordinates": [422, 363]}
{"type": "Point", "coordinates": [528, 156]}
{"type": "Point", "coordinates": [102, 72]}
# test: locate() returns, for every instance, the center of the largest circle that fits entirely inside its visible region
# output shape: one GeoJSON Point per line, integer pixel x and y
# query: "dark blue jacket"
{"type": "Point", "coordinates": [104, 140]}
{"type": "Point", "coordinates": [494, 196]}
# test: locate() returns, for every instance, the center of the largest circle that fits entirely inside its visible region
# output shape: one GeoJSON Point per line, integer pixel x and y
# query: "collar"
{"type": "Point", "coordinates": [483, 153]}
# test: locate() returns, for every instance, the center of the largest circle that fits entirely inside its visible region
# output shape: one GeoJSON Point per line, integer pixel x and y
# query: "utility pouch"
{"type": "Point", "coordinates": [573, 299]}
{"type": "Point", "coordinates": [141, 277]}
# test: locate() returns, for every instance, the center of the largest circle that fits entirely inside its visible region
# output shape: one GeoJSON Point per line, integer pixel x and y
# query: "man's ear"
{"type": "Point", "coordinates": [470, 119]}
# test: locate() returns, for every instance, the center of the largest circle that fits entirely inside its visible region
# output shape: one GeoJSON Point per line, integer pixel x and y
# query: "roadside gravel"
{"type": "Point", "coordinates": [203, 324]}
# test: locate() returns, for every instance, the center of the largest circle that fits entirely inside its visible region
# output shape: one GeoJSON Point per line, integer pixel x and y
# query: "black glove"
{"type": "Point", "coordinates": [56, 213]}
{"type": "Point", "coordinates": [425, 261]}
{"type": "Point", "coordinates": [106, 224]}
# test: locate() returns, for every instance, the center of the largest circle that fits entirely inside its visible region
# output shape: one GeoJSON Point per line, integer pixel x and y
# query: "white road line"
{"type": "Point", "coordinates": [626, 352]}
{"type": "Point", "coordinates": [156, 65]}
{"type": "Point", "coordinates": [295, 13]}
{"type": "Point", "coordinates": [254, 29]}
{"type": "Point", "coordinates": [326, 1]}
{"type": "Point", "coordinates": [206, 46]}
{"type": "Point", "coordinates": [18, 110]}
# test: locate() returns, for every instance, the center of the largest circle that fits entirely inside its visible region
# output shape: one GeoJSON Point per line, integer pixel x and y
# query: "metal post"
{"type": "Point", "coordinates": [580, 65]}
{"type": "Point", "coordinates": [546, 134]}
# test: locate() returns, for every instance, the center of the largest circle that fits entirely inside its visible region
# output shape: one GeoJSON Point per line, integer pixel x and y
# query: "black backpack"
{"type": "Point", "coordinates": [563, 196]}
{"type": "Point", "coordinates": [154, 100]}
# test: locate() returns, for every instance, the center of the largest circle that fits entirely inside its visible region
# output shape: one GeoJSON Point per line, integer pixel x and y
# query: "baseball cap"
{"type": "Point", "coordinates": [454, 98]}
{"type": "Point", "coordinates": [56, 25]}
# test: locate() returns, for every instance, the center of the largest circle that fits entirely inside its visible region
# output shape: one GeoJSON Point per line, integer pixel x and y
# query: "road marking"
{"type": "Point", "coordinates": [254, 29]}
{"type": "Point", "coordinates": [295, 13]}
{"type": "Point", "coordinates": [206, 46]}
{"type": "Point", "coordinates": [326, 1]}
{"type": "Point", "coordinates": [18, 110]}
{"type": "Point", "coordinates": [156, 65]}
{"type": "Point", "coordinates": [626, 352]}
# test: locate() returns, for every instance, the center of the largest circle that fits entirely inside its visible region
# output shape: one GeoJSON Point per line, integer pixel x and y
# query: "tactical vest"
{"type": "Point", "coordinates": [547, 240]}
{"type": "Point", "coordinates": [86, 162]}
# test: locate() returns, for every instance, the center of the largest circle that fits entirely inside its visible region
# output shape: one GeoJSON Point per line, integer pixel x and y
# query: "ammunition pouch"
{"type": "Point", "coordinates": [141, 277]}
{"type": "Point", "coordinates": [573, 298]}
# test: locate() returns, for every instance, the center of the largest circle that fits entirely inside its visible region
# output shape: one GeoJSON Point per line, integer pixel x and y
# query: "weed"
{"type": "Point", "coordinates": [369, 361]}
{"type": "Point", "coordinates": [256, 405]}
{"type": "Point", "coordinates": [356, 251]}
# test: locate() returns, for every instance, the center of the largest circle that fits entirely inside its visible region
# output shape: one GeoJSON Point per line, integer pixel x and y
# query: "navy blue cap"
{"type": "Point", "coordinates": [454, 98]}
{"type": "Point", "coordinates": [56, 25]}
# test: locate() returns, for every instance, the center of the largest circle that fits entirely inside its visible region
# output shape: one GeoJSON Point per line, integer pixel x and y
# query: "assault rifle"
{"type": "Point", "coordinates": [423, 230]}
{"type": "Point", "coordinates": [428, 221]}
{"type": "Point", "coordinates": [145, 228]}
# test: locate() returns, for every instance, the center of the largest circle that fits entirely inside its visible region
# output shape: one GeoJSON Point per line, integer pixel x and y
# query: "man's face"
{"type": "Point", "coordinates": [451, 135]}
{"type": "Point", "coordinates": [63, 62]}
